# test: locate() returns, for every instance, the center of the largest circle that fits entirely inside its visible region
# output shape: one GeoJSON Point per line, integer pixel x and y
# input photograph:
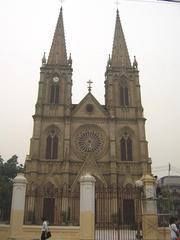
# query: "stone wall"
{"type": "Point", "coordinates": [34, 233]}
{"type": "Point", "coordinates": [63, 233]}
{"type": "Point", "coordinates": [163, 233]}
{"type": "Point", "coordinates": [4, 231]}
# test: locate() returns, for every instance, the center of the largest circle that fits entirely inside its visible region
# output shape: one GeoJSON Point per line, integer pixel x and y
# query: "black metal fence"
{"type": "Point", "coordinates": [5, 205]}
{"type": "Point", "coordinates": [168, 204]}
{"type": "Point", "coordinates": [118, 209]}
{"type": "Point", "coordinates": [59, 206]}
{"type": "Point", "coordinates": [5, 214]}
{"type": "Point", "coordinates": [118, 213]}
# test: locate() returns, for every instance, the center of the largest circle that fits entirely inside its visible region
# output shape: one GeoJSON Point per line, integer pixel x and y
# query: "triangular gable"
{"type": "Point", "coordinates": [89, 107]}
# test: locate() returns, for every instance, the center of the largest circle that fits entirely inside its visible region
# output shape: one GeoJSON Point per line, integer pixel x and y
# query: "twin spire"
{"type": "Point", "coordinates": [58, 55]}
{"type": "Point", "coordinates": [120, 56]}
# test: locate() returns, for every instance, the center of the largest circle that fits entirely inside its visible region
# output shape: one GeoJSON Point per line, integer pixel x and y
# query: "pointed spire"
{"type": "Point", "coordinates": [57, 53]}
{"type": "Point", "coordinates": [120, 56]}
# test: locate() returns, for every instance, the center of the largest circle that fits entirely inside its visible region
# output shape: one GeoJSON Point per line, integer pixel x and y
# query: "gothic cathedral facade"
{"type": "Point", "coordinates": [70, 140]}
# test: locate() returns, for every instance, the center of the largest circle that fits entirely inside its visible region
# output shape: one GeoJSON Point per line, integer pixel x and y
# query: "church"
{"type": "Point", "coordinates": [69, 140]}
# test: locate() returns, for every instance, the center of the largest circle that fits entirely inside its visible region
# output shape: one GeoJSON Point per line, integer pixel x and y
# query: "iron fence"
{"type": "Point", "coordinates": [118, 214]}
{"type": "Point", "coordinates": [168, 204]}
{"type": "Point", "coordinates": [58, 206]}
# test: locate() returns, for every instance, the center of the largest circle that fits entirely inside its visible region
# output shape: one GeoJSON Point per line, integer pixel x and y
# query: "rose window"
{"type": "Point", "coordinates": [89, 139]}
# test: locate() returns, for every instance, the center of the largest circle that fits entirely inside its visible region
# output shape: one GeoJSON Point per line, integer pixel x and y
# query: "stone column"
{"type": "Point", "coordinates": [87, 207]}
{"type": "Point", "coordinates": [149, 218]}
{"type": "Point", "coordinates": [17, 206]}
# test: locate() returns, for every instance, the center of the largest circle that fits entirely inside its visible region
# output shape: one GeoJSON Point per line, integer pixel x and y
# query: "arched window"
{"type": "Point", "coordinates": [52, 146]}
{"type": "Point", "coordinates": [126, 148]}
{"type": "Point", "coordinates": [124, 96]}
{"type": "Point", "coordinates": [54, 94]}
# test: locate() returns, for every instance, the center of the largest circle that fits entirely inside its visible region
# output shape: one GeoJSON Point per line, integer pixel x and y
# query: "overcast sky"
{"type": "Point", "coordinates": [152, 32]}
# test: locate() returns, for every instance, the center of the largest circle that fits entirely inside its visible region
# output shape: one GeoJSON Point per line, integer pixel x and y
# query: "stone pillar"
{"type": "Point", "coordinates": [149, 218]}
{"type": "Point", "coordinates": [87, 207]}
{"type": "Point", "coordinates": [17, 207]}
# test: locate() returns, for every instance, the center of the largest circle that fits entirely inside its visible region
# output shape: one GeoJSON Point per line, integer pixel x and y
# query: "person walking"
{"type": "Point", "coordinates": [174, 232]}
{"type": "Point", "coordinates": [45, 233]}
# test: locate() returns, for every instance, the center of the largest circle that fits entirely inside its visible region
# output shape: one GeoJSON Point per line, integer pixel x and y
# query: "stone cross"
{"type": "Point", "coordinates": [89, 87]}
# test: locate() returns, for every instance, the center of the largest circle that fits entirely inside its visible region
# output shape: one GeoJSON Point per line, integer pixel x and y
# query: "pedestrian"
{"type": "Point", "coordinates": [45, 234]}
{"type": "Point", "coordinates": [173, 228]}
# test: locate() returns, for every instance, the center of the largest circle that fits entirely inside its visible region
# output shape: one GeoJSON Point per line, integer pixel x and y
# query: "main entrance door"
{"type": "Point", "coordinates": [118, 213]}
{"type": "Point", "coordinates": [48, 209]}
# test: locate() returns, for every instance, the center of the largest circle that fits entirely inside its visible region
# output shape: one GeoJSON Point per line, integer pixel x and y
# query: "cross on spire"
{"type": "Point", "coordinates": [58, 53]}
{"type": "Point", "coordinates": [89, 83]}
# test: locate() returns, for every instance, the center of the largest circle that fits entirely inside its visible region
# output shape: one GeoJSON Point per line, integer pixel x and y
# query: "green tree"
{"type": "Point", "coordinates": [8, 171]}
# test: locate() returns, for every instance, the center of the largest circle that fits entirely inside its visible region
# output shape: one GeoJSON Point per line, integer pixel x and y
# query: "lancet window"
{"type": "Point", "coordinates": [54, 93]}
{"type": "Point", "coordinates": [126, 148]}
{"type": "Point", "coordinates": [124, 96]}
{"type": "Point", "coordinates": [52, 146]}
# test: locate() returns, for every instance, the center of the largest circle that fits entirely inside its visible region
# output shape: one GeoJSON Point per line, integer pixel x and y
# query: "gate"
{"type": "Point", "coordinates": [118, 214]}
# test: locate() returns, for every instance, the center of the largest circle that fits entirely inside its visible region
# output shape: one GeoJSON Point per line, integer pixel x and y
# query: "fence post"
{"type": "Point", "coordinates": [87, 207]}
{"type": "Point", "coordinates": [150, 218]}
{"type": "Point", "coordinates": [17, 207]}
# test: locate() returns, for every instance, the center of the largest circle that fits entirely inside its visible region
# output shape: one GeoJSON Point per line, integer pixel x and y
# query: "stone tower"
{"type": "Point", "coordinates": [69, 140]}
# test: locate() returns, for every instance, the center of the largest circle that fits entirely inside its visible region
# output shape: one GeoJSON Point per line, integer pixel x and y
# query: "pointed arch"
{"type": "Point", "coordinates": [124, 96]}
{"type": "Point", "coordinates": [31, 188]}
{"type": "Point", "coordinates": [54, 93]}
{"type": "Point", "coordinates": [124, 91]}
{"type": "Point", "coordinates": [126, 148]}
{"type": "Point", "coordinates": [48, 188]}
{"type": "Point", "coordinates": [52, 145]}
{"type": "Point", "coordinates": [48, 204]}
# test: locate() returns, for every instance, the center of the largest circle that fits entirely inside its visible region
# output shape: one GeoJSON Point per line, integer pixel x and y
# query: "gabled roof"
{"type": "Point", "coordinates": [89, 107]}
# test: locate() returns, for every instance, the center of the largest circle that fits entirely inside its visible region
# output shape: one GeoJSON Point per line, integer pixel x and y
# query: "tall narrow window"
{"type": "Point", "coordinates": [52, 146]}
{"type": "Point", "coordinates": [129, 149]}
{"type": "Point", "coordinates": [124, 96]}
{"type": "Point", "coordinates": [54, 94]}
{"type": "Point", "coordinates": [126, 148]}
{"type": "Point", "coordinates": [123, 148]}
